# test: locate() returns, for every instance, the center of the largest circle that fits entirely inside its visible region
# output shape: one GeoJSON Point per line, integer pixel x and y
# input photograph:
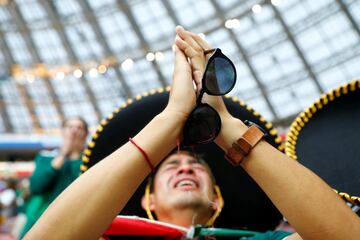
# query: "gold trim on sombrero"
{"type": "Point", "coordinates": [104, 122]}
{"type": "Point", "coordinates": [305, 116]}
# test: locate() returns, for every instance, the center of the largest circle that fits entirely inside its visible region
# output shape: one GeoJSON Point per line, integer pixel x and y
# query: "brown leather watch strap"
{"type": "Point", "coordinates": [242, 147]}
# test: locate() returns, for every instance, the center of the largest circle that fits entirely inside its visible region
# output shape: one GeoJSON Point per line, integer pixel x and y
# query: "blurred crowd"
{"type": "Point", "coordinates": [14, 193]}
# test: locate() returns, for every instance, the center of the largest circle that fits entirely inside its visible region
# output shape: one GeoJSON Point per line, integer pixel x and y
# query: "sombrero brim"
{"type": "Point", "coordinates": [246, 205]}
{"type": "Point", "coordinates": [325, 138]}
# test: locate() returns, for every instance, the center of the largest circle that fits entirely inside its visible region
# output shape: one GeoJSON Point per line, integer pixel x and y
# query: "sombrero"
{"type": "Point", "coordinates": [246, 205]}
{"type": "Point", "coordinates": [326, 139]}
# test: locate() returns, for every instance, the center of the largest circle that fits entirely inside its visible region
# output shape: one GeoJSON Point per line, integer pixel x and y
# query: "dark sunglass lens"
{"type": "Point", "coordinates": [202, 126]}
{"type": "Point", "coordinates": [220, 76]}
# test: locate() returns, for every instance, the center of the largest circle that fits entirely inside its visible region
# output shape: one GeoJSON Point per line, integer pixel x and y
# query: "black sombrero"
{"type": "Point", "coordinates": [246, 205]}
{"type": "Point", "coordinates": [326, 139]}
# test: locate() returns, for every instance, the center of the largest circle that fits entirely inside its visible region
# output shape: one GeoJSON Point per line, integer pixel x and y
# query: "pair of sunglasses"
{"type": "Point", "coordinates": [203, 124]}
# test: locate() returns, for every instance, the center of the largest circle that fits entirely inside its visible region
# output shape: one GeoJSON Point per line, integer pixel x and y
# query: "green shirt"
{"type": "Point", "coordinates": [47, 183]}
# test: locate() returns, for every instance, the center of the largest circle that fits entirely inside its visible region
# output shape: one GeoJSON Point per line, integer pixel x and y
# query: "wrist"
{"type": "Point", "coordinates": [244, 145]}
{"type": "Point", "coordinates": [170, 114]}
{"type": "Point", "coordinates": [231, 129]}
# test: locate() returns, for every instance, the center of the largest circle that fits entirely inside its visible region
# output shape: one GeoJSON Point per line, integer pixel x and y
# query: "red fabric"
{"type": "Point", "coordinates": [23, 173]}
{"type": "Point", "coordinates": [131, 226]}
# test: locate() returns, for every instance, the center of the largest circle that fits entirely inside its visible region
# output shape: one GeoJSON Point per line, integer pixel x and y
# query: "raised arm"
{"type": "Point", "coordinates": [122, 171]}
{"type": "Point", "coordinates": [309, 204]}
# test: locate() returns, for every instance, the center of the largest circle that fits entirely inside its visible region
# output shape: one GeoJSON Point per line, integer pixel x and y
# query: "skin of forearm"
{"type": "Point", "coordinates": [86, 208]}
{"type": "Point", "coordinates": [309, 204]}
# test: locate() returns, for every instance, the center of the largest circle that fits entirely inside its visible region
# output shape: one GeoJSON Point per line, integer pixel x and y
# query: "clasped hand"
{"type": "Point", "coordinates": [189, 66]}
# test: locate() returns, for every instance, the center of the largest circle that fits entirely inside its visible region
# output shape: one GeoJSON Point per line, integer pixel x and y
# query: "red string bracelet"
{"type": "Point", "coordinates": [143, 153]}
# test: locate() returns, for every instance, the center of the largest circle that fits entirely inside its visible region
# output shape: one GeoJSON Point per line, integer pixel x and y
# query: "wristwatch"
{"type": "Point", "coordinates": [242, 147]}
{"type": "Point", "coordinates": [250, 123]}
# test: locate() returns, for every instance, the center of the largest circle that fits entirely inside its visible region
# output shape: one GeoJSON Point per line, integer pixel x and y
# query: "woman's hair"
{"type": "Point", "coordinates": [81, 119]}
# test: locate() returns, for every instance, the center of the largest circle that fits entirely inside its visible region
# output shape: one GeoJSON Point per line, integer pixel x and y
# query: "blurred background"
{"type": "Point", "coordinates": [63, 58]}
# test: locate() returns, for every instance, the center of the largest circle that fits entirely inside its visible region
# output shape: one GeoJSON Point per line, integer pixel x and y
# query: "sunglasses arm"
{"type": "Point", "coordinates": [199, 98]}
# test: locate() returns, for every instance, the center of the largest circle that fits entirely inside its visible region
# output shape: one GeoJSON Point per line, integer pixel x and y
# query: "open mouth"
{"type": "Point", "coordinates": [186, 184]}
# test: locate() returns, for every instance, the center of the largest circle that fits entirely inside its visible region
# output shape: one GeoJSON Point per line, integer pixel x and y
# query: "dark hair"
{"type": "Point", "coordinates": [81, 119]}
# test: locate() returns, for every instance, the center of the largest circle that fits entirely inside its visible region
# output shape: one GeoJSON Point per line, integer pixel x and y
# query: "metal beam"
{"type": "Point", "coordinates": [297, 28]}
{"type": "Point", "coordinates": [93, 22]}
{"type": "Point", "coordinates": [23, 29]}
{"type": "Point", "coordinates": [123, 5]}
{"type": "Point", "coordinates": [54, 18]}
{"type": "Point", "coordinates": [299, 76]}
{"type": "Point", "coordinates": [347, 13]}
{"type": "Point", "coordinates": [56, 24]}
{"type": "Point", "coordinates": [171, 12]}
{"type": "Point", "coordinates": [297, 48]}
{"type": "Point", "coordinates": [9, 58]}
{"type": "Point", "coordinates": [4, 115]}
{"type": "Point", "coordinates": [247, 61]}
{"type": "Point", "coordinates": [26, 35]}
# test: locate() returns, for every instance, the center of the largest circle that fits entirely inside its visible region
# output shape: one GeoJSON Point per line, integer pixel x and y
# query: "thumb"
{"type": "Point", "coordinates": [181, 63]}
{"type": "Point", "coordinates": [179, 55]}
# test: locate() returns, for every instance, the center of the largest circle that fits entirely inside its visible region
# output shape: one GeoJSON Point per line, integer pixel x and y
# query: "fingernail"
{"type": "Point", "coordinates": [179, 27]}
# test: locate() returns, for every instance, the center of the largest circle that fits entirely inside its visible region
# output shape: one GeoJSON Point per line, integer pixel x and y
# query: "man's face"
{"type": "Point", "coordinates": [182, 182]}
{"type": "Point", "coordinates": [74, 128]}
